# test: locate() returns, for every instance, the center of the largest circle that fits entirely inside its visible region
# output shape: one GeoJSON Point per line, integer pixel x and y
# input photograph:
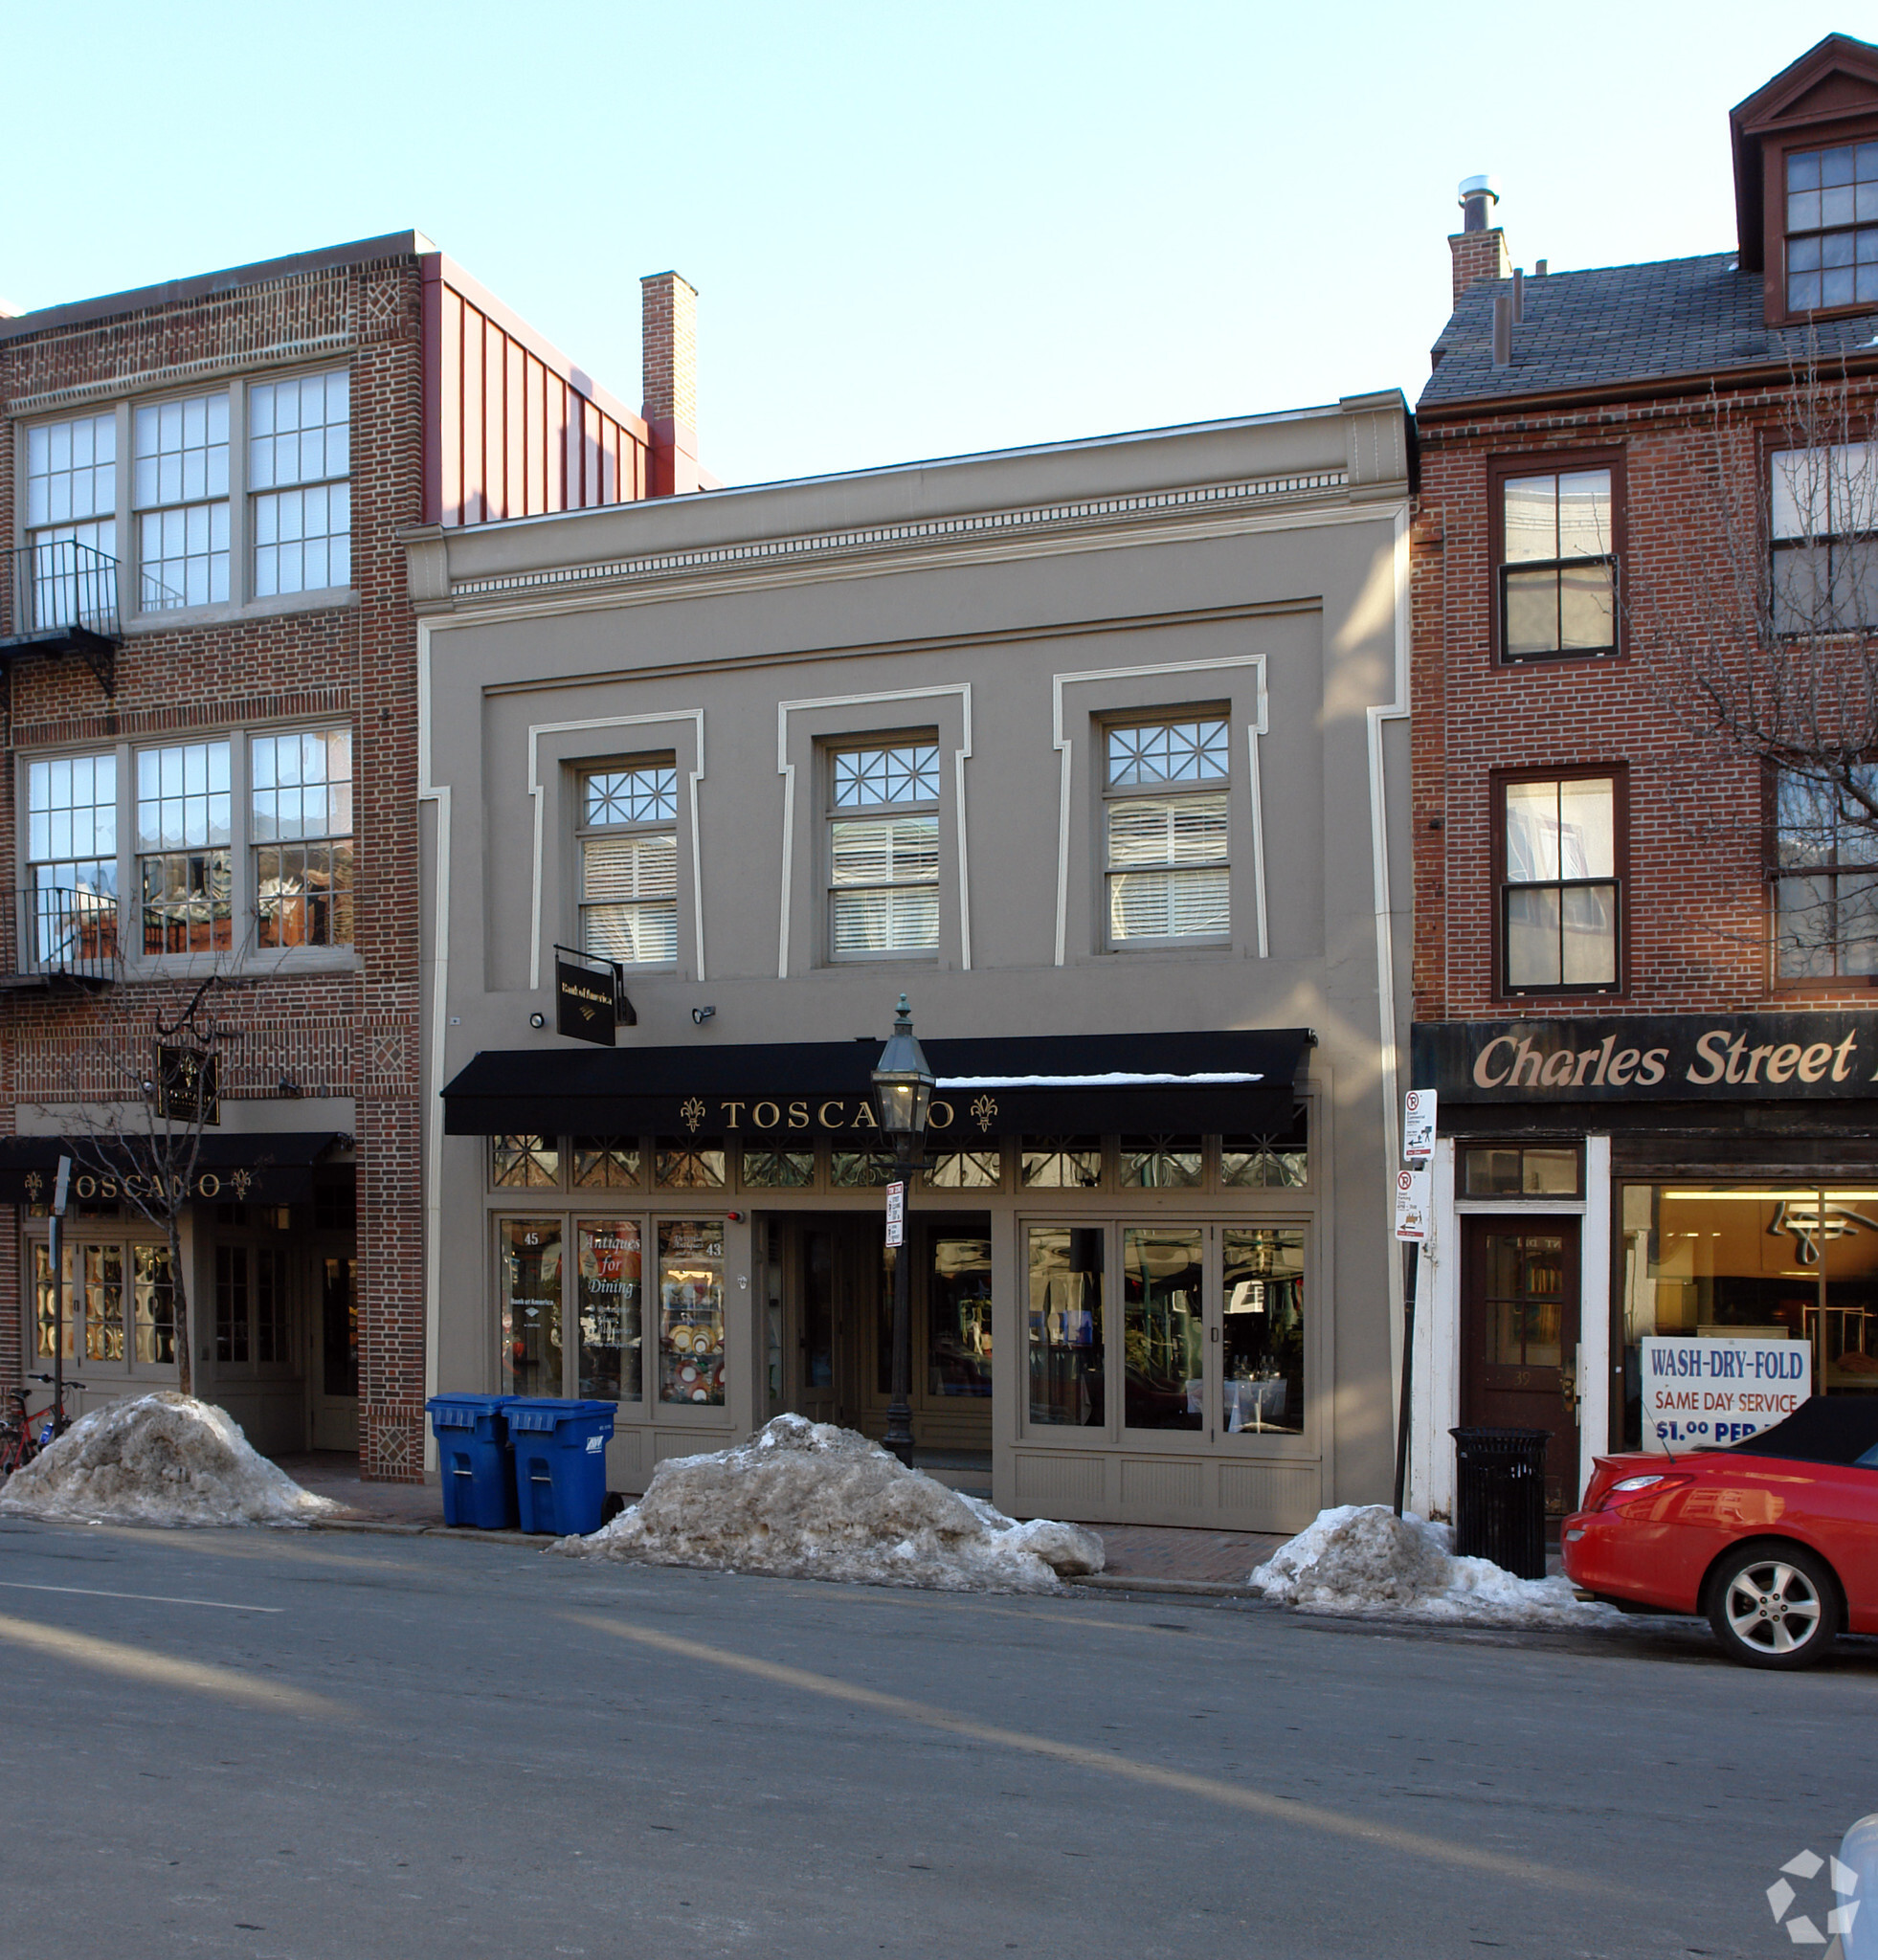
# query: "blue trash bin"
{"type": "Point", "coordinates": [560, 1463]}
{"type": "Point", "coordinates": [473, 1459]}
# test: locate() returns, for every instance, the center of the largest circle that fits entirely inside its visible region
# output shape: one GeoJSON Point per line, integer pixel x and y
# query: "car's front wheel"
{"type": "Point", "coordinates": [1773, 1606]}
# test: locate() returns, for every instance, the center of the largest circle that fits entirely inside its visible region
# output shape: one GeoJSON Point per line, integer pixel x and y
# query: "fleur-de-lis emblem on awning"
{"type": "Point", "coordinates": [693, 1112]}
{"type": "Point", "coordinates": [35, 1184]}
{"type": "Point", "coordinates": [984, 1110]}
{"type": "Point", "coordinates": [240, 1180]}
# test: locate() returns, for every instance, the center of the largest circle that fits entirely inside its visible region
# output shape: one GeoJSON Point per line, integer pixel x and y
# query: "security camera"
{"type": "Point", "coordinates": [701, 1014]}
{"type": "Point", "coordinates": [538, 1020]}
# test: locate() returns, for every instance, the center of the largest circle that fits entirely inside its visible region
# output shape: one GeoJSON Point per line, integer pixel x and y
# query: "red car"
{"type": "Point", "coordinates": [1775, 1540]}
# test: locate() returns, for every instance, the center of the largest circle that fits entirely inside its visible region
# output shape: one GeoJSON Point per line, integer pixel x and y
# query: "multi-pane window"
{"type": "Point", "coordinates": [1167, 832]}
{"type": "Point", "coordinates": [110, 1324]}
{"type": "Point", "coordinates": [883, 851]}
{"type": "Point", "coordinates": [1824, 525]}
{"type": "Point", "coordinates": [300, 795]}
{"type": "Point", "coordinates": [251, 1304]}
{"type": "Point", "coordinates": [182, 865]}
{"type": "Point", "coordinates": [179, 490]}
{"type": "Point", "coordinates": [628, 863]}
{"type": "Point", "coordinates": [1832, 226]}
{"type": "Point", "coordinates": [1560, 883]}
{"type": "Point", "coordinates": [72, 860]}
{"type": "Point", "coordinates": [300, 458]}
{"type": "Point", "coordinates": [1825, 878]}
{"type": "Point", "coordinates": [71, 517]}
{"type": "Point", "coordinates": [1558, 564]}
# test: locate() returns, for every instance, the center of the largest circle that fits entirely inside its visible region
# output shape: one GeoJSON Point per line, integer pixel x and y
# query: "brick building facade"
{"type": "Point", "coordinates": [210, 478]}
{"type": "Point", "coordinates": [1610, 506]}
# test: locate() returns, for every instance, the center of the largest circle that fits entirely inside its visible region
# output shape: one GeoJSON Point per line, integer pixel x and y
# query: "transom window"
{"type": "Point", "coordinates": [883, 851]}
{"type": "Point", "coordinates": [1167, 854]}
{"type": "Point", "coordinates": [299, 457]}
{"type": "Point", "coordinates": [183, 859]}
{"type": "Point", "coordinates": [179, 488]}
{"type": "Point", "coordinates": [1825, 878]}
{"type": "Point", "coordinates": [1559, 884]}
{"type": "Point", "coordinates": [1824, 522]}
{"type": "Point", "coordinates": [1558, 564]}
{"type": "Point", "coordinates": [71, 857]}
{"type": "Point", "coordinates": [1832, 226]}
{"type": "Point", "coordinates": [628, 863]}
{"type": "Point", "coordinates": [300, 826]}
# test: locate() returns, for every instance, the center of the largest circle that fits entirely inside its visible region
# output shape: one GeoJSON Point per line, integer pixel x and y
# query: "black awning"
{"type": "Point", "coordinates": [1236, 1081]}
{"type": "Point", "coordinates": [268, 1166]}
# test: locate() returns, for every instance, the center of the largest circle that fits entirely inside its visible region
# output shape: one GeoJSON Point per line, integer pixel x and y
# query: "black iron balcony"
{"type": "Point", "coordinates": [56, 936]}
{"type": "Point", "coordinates": [62, 599]}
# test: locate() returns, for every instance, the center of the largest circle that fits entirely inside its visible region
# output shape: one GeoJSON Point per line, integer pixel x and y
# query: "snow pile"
{"type": "Point", "coordinates": [162, 1458]}
{"type": "Point", "coordinates": [805, 1500]}
{"type": "Point", "coordinates": [1363, 1560]}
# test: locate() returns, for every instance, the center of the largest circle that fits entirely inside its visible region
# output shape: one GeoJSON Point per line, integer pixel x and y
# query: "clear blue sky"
{"type": "Point", "coordinates": [916, 229]}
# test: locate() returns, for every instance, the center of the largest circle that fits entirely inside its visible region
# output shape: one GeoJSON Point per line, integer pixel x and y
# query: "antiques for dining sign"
{"type": "Point", "coordinates": [1703, 1391]}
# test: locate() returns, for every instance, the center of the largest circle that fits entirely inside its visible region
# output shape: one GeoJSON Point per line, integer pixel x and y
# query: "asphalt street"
{"type": "Point", "coordinates": [332, 1747]}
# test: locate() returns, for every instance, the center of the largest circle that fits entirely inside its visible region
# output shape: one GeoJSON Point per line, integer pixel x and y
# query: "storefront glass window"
{"type": "Point", "coordinates": [608, 1162]}
{"type": "Point", "coordinates": [533, 1163]}
{"type": "Point", "coordinates": [1066, 1326]}
{"type": "Point", "coordinates": [153, 1304]}
{"type": "Point", "coordinates": [963, 1169]}
{"type": "Point", "coordinates": [1264, 1332]}
{"type": "Point", "coordinates": [45, 1305]}
{"type": "Point", "coordinates": [531, 1305]}
{"type": "Point", "coordinates": [270, 1304]}
{"type": "Point", "coordinates": [691, 1311]}
{"type": "Point", "coordinates": [608, 1250]}
{"type": "Point", "coordinates": [959, 1318]}
{"type": "Point", "coordinates": [778, 1169]}
{"type": "Point", "coordinates": [230, 1302]}
{"type": "Point", "coordinates": [103, 1302]}
{"type": "Point", "coordinates": [688, 1163]}
{"type": "Point", "coordinates": [1278, 1161]}
{"type": "Point", "coordinates": [860, 1170]}
{"type": "Point", "coordinates": [1163, 1326]}
{"type": "Point", "coordinates": [1063, 1163]}
{"type": "Point", "coordinates": [1156, 1162]}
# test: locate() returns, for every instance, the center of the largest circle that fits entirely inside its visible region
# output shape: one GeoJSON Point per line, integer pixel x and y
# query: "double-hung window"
{"type": "Point", "coordinates": [1832, 226]}
{"type": "Point", "coordinates": [1825, 877]}
{"type": "Point", "coordinates": [300, 796]}
{"type": "Point", "coordinates": [71, 520]}
{"type": "Point", "coordinates": [300, 461]}
{"type": "Point", "coordinates": [1559, 912]}
{"type": "Point", "coordinates": [1558, 563]}
{"type": "Point", "coordinates": [72, 857]}
{"type": "Point", "coordinates": [628, 863]}
{"type": "Point", "coordinates": [183, 860]}
{"type": "Point", "coordinates": [1167, 831]}
{"type": "Point", "coordinates": [883, 851]}
{"type": "Point", "coordinates": [1823, 529]}
{"type": "Point", "coordinates": [179, 490]}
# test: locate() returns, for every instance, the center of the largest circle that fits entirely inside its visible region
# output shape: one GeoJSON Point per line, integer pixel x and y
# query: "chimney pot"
{"type": "Point", "coordinates": [1503, 329]}
{"type": "Point", "coordinates": [1539, 269]}
{"type": "Point", "coordinates": [1477, 196]}
{"type": "Point", "coordinates": [1519, 295]}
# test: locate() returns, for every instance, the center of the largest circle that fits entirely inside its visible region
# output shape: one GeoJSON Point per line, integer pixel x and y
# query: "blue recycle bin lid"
{"type": "Point", "coordinates": [545, 1415]}
{"type": "Point", "coordinates": [464, 1411]}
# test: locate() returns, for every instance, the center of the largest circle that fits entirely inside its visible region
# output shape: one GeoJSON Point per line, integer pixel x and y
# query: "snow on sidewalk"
{"type": "Point", "coordinates": [162, 1458]}
{"type": "Point", "coordinates": [808, 1501]}
{"type": "Point", "coordinates": [1362, 1561]}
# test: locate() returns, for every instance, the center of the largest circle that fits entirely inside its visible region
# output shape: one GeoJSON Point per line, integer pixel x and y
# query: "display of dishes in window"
{"type": "Point", "coordinates": [691, 1311]}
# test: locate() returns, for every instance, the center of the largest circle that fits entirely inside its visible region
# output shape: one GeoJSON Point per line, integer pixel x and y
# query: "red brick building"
{"type": "Point", "coordinates": [1645, 951]}
{"type": "Point", "coordinates": [211, 734]}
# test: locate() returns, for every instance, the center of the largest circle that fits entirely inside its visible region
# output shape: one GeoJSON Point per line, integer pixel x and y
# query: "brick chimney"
{"type": "Point", "coordinates": [1479, 249]}
{"type": "Point", "coordinates": [669, 362]}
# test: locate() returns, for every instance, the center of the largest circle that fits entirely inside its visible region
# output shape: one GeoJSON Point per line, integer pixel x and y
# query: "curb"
{"type": "Point", "coordinates": [377, 1527]}
{"type": "Point", "coordinates": [1199, 1589]}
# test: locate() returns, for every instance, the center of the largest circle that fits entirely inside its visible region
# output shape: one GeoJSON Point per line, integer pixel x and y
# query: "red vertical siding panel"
{"type": "Point", "coordinates": [554, 443]}
{"type": "Point", "coordinates": [515, 414]}
{"type": "Point", "coordinates": [450, 413]}
{"type": "Point", "coordinates": [431, 388]}
{"type": "Point", "coordinates": [475, 505]}
{"type": "Point", "coordinates": [495, 345]}
{"type": "Point", "coordinates": [537, 437]}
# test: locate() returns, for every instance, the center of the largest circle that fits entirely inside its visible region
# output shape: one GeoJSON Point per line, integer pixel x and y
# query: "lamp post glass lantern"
{"type": "Point", "coordinates": [903, 1087]}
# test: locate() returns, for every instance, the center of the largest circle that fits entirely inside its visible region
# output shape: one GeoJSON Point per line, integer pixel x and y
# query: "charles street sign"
{"type": "Point", "coordinates": [584, 1003]}
{"type": "Point", "coordinates": [1768, 1058]}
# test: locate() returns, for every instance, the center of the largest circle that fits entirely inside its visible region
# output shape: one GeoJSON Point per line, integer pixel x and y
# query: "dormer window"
{"type": "Point", "coordinates": [1832, 226]}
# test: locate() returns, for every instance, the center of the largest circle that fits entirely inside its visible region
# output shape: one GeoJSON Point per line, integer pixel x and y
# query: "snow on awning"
{"type": "Point", "coordinates": [1235, 1080]}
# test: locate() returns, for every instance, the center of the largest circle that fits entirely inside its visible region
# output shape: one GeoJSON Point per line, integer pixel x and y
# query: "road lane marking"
{"type": "Point", "coordinates": [163, 1670]}
{"type": "Point", "coordinates": [154, 1598]}
{"type": "Point", "coordinates": [1238, 1796]}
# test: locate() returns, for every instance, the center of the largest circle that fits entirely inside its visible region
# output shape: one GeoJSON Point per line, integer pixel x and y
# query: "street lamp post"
{"type": "Point", "coordinates": [903, 1087]}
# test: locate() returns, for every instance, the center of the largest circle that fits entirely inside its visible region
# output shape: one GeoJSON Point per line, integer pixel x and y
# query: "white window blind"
{"type": "Point", "coordinates": [1168, 854]}
{"type": "Point", "coordinates": [883, 851]}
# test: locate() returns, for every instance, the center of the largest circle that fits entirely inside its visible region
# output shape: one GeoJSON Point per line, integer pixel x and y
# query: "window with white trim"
{"type": "Point", "coordinates": [179, 490]}
{"type": "Point", "coordinates": [183, 849]}
{"type": "Point", "coordinates": [300, 796]}
{"type": "Point", "coordinates": [628, 843]}
{"type": "Point", "coordinates": [884, 850]}
{"type": "Point", "coordinates": [1165, 829]}
{"type": "Point", "coordinates": [300, 462]}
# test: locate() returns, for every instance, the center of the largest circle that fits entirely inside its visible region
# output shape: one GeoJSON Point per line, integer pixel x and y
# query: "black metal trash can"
{"type": "Point", "coordinates": [1500, 1498]}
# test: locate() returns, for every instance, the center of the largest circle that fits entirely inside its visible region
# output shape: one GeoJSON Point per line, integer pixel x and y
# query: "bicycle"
{"type": "Point", "coordinates": [25, 1434]}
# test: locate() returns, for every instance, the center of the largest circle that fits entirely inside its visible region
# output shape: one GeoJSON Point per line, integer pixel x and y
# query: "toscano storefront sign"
{"type": "Point", "coordinates": [1665, 1058]}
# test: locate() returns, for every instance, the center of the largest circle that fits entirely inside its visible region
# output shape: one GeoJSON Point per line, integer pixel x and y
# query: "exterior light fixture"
{"type": "Point", "coordinates": [903, 1090]}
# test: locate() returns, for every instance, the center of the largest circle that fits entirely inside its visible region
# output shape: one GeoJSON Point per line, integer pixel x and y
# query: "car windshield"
{"type": "Point", "coordinates": [1825, 1429]}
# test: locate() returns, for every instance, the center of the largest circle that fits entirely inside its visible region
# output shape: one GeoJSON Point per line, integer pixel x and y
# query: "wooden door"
{"type": "Point", "coordinates": [1520, 1338]}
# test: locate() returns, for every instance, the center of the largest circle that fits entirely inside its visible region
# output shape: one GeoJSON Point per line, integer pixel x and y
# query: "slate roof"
{"type": "Point", "coordinates": [1619, 324]}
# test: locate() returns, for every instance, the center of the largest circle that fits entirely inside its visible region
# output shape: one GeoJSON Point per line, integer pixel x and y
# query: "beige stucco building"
{"type": "Point", "coordinates": [1098, 752]}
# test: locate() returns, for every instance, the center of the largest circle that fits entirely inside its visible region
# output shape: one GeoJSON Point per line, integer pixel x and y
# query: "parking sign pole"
{"type": "Point", "coordinates": [1408, 1373]}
